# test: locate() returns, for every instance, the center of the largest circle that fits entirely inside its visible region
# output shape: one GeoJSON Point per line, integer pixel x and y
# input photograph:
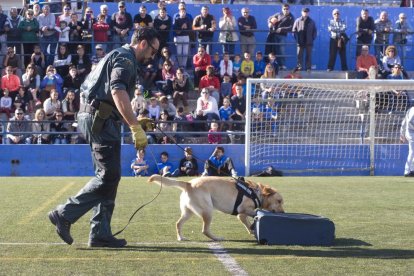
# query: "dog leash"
{"type": "Point", "coordinates": [143, 205]}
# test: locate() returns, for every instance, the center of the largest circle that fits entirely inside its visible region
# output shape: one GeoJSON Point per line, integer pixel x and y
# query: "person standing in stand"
{"type": "Point", "coordinates": [337, 43]}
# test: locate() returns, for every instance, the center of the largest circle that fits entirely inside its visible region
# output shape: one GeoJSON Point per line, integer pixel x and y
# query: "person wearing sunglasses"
{"type": "Point", "coordinates": [105, 102]}
{"type": "Point", "coordinates": [16, 128]}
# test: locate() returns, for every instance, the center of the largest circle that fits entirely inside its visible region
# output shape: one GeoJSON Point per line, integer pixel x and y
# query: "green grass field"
{"type": "Point", "coordinates": [373, 218]}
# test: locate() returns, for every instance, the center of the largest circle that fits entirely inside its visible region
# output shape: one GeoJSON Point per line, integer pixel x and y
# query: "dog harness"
{"type": "Point", "coordinates": [244, 190]}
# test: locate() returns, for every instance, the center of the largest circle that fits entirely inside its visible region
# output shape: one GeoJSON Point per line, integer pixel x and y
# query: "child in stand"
{"type": "Point", "coordinates": [63, 31]}
{"type": "Point", "coordinates": [225, 87]}
{"type": "Point", "coordinates": [139, 165]}
{"type": "Point", "coordinates": [100, 30]}
{"type": "Point", "coordinates": [273, 62]}
{"type": "Point", "coordinates": [6, 103]}
{"type": "Point", "coordinates": [154, 109]}
{"type": "Point", "coordinates": [38, 58]}
{"type": "Point", "coordinates": [247, 66]}
{"type": "Point", "coordinates": [225, 112]}
{"type": "Point", "coordinates": [236, 65]}
{"type": "Point", "coordinates": [138, 103]}
{"type": "Point", "coordinates": [213, 137]}
{"type": "Point", "coordinates": [259, 65]}
{"type": "Point", "coordinates": [216, 64]}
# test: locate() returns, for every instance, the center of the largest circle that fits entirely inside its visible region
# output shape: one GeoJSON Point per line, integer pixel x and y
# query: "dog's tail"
{"type": "Point", "coordinates": [168, 181]}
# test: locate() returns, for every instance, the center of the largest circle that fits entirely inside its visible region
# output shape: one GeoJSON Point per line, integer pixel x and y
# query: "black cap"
{"type": "Point", "coordinates": [305, 9]}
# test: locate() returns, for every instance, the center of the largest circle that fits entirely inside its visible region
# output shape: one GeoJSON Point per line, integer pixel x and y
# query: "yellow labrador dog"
{"type": "Point", "coordinates": [202, 195]}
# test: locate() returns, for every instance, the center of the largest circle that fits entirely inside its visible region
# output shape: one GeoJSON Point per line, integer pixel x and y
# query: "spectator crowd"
{"type": "Point", "coordinates": [47, 51]}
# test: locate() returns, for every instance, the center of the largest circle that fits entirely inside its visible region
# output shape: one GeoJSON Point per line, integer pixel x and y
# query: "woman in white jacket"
{"type": "Point", "coordinates": [228, 36]}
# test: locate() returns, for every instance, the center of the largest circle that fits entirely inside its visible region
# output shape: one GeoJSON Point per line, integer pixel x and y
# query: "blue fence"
{"type": "Point", "coordinates": [75, 160]}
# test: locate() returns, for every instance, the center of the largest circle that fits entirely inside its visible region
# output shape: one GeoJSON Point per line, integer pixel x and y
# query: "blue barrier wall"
{"type": "Point", "coordinates": [321, 15]}
{"type": "Point", "coordinates": [75, 160]}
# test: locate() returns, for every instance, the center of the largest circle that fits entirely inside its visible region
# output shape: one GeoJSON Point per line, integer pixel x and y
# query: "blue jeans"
{"type": "Point", "coordinates": [229, 48]}
{"type": "Point", "coordinates": [45, 41]}
{"type": "Point", "coordinates": [206, 43]}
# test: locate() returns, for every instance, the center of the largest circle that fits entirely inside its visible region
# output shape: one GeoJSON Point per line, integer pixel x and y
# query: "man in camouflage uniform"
{"type": "Point", "coordinates": [105, 101]}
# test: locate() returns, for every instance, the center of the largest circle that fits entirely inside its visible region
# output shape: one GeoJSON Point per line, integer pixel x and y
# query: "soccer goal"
{"type": "Point", "coordinates": [334, 127]}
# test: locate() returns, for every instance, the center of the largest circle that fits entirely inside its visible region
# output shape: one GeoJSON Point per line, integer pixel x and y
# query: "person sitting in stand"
{"type": "Point", "coordinates": [215, 62]}
{"type": "Point", "coordinates": [247, 66]}
{"type": "Point", "coordinates": [6, 103]}
{"type": "Point", "coordinates": [188, 165]}
{"type": "Point", "coordinates": [52, 104]}
{"type": "Point", "coordinates": [389, 60]}
{"type": "Point", "coordinates": [139, 165]}
{"type": "Point", "coordinates": [273, 62]}
{"type": "Point", "coordinates": [11, 82]}
{"type": "Point", "coordinates": [82, 62]}
{"type": "Point", "coordinates": [154, 109]}
{"type": "Point", "coordinates": [219, 164]}
{"type": "Point", "coordinates": [259, 65]}
{"type": "Point", "coordinates": [162, 129]}
{"type": "Point", "coordinates": [147, 125]}
{"type": "Point", "coordinates": [59, 126]}
{"type": "Point", "coordinates": [166, 105]}
{"type": "Point", "coordinates": [51, 81]}
{"type": "Point", "coordinates": [168, 75]}
{"type": "Point", "coordinates": [364, 62]}
{"type": "Point", "coordinates": [211, 83]}
{"type": "Point", "coordinates": [99, 54]}
{"type": "Point", "coordinates": [38, 59]}
{"type": "Point", "coordinates": [24, 100]}
{"type": "Point", "coordinates": [213, 136]}
{"type": "Point", "coordinates": [226, 66]}
{"type": "Point", "coordinates": [18, 128]}
{"type": "Point", "coordinates": [181, 88]}
{"type": "Point", "coordinates": [207, 108]}
{"type": "Point", "coordinates": [179, 125]}
{"type": "Point", "coordinates": [225, 87]}
{"type": "Point", "coordinates": [40, 125]}
{"type": "Point", "coordinates": [164, 167]}
{"type": "Point", "coordinates": [62, 60]}
{"type": "Point", "coordinates": [396, 73]}
{"type": "Point", "coordinates": [31, 81]}
{"type": "Point", "coordinates": [138, 103]}
{"type": "Point", "coordinates": [236, 66]}
{"type": "Point", "coordinates": [73, 80]}
{"type": "Point", "coordinates": [11, 59]}
{"type": "Point", "coordinates": [226, 112]}
{"type": "Point", "coordinates": [70, 106]}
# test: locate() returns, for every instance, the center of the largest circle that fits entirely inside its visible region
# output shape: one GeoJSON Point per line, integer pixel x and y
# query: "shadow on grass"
{"type": "Point", "coordinates": [343, 248]}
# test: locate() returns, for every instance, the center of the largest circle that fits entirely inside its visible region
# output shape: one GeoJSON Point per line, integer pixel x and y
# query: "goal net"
{"type": "Point", "coordinates": [334, 127]}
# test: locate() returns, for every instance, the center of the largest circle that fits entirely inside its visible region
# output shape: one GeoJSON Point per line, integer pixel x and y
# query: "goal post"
{"type": "Point", "coordinates": [329, 127]}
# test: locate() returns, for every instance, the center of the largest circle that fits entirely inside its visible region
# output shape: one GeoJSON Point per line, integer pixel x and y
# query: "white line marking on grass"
{"type": "Point", "coordinates": [46, 204]}
{"type": "Point", "coordinates": [229, 263]}
{"type": "Point", "coordinates": [80, 243]}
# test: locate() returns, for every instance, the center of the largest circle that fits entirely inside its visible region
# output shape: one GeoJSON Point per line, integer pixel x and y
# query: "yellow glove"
{"type": "Point", "coordinates": [139, 137]}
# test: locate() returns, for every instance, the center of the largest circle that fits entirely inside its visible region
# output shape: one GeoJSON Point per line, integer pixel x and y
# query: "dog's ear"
{"type": "Point", "coordinates": [267, 190]}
